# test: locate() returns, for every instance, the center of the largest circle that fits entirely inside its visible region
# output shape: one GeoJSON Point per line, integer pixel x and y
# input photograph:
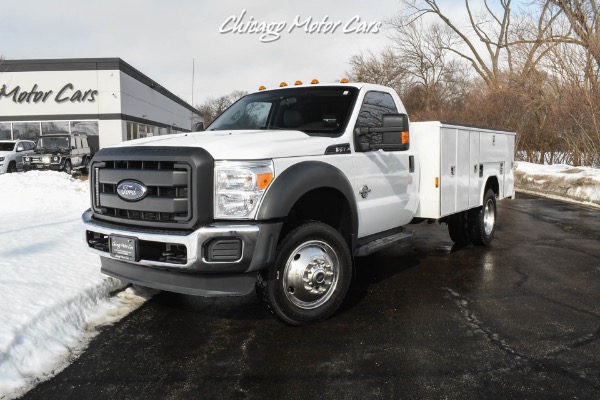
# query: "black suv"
{"type": "Point", "coordinates": [62, 152]}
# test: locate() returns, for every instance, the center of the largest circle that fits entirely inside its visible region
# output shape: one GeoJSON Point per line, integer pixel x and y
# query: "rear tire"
{"type": "Point", "coordinates": [86, 166]}
{"type": "Point", "coordinates": [458, 228]}
{"type": "Point", "coordinates": [310, 276]}
{"type": "Point", "coordinates": [482, 220]}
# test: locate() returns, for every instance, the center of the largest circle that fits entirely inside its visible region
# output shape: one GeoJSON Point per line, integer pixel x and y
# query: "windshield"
{"type": "Point", "coordinates": [49, 142]}
{"type": "Point", "coordinates": [309, 109]}
{"type": "Point", "coordinates": [7, 146]}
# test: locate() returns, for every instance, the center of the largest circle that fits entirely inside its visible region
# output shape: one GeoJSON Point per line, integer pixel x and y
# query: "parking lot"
{"type": "Point", "coordinates": [518, 319]}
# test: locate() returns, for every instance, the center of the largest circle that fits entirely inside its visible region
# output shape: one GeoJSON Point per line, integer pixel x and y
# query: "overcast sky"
{"type": "Point", "coordinates": [161, 38]}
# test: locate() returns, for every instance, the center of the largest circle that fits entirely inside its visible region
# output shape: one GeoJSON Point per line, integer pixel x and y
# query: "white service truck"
{"type": "Point", "coordinates": [284, 190]}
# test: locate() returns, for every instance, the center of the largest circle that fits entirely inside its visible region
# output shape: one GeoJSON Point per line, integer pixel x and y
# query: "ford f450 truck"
{"type": "Point", "coordinates": [284, 190]}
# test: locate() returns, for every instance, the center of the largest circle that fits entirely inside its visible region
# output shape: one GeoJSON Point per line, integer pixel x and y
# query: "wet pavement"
{"type": "Point", "coordinates": [518, 319]}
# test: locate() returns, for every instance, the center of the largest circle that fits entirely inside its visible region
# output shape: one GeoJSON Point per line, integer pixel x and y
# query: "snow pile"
{"type": "Point", "coordinates": [52, 293]}
{"type": "Point", "coordinates": [581, 184]}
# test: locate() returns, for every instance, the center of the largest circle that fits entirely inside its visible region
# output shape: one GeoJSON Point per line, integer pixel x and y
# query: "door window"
{"type": "Point", "coordinates": [374, 105]}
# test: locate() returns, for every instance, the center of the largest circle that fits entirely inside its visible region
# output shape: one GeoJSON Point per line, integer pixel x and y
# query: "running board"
{"type": "Point", "coordinates": [381, 243]}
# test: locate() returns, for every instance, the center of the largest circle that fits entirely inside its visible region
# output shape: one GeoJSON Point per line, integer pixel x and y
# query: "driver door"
{"type": "Point", "coordinates": [386, 193]}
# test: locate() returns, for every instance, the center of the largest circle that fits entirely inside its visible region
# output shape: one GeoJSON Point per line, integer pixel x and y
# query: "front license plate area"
{"type": "Point", "coordinates": [123, 248]}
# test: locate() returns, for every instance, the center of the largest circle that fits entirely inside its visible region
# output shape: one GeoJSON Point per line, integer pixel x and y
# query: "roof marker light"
{"type": "Point", "coordinates": [261, 87]}
{"type": "Point", "coordinates": [344, 80]}
{"type": "Point", "coordinates": [282, 84]}
{"type": "Point", "coordinates": [298, 83]}
{"type": "Point", "coordinates": [314, 81]}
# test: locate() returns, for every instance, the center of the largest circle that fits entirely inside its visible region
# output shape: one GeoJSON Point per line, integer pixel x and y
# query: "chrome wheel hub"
{"type": "Point", "coordinates": [489, 217]}
{"type": "Point", "coordinates": [311, 274]}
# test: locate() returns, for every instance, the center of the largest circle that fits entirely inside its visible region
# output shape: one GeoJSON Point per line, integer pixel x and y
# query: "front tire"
{"type": "Point", "coordinates": [482, 220]}
{"type": "Point", "coordinates": [12, 167]}
{"type": "Point", "coordinates": [68, 168]}
{"type": "Point", "coordinates": [310, 276]}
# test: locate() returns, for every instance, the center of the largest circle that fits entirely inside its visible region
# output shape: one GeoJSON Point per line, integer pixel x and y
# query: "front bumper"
{"type": "Point", "coordinates": [197, 272]}
{"type": "Point", "coordinates": [41, 167]}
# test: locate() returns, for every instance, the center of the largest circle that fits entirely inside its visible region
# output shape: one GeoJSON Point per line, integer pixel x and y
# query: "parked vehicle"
{"type": "Point", "coordinates": [12, 152]}
{"type": "Point", "coordinates": [285, 189]}
{"type": "Point", "coordinates": [60, 152]}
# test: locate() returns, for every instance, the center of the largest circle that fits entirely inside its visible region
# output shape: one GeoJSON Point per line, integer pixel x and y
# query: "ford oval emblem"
{"type": "Point", "coordinates": [131, 190]}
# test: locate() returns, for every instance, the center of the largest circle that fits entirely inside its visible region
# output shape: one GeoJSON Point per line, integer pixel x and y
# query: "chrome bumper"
{"type": "Point", "coordinates": [258, 245]}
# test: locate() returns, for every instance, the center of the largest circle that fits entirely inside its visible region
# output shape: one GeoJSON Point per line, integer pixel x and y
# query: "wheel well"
{"type": "Point", "coordinates": [326, 205]}
{"type": "Point", "coordinates": [492, 183]}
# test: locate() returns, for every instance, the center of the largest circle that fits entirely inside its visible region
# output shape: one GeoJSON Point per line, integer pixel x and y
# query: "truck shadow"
{"type": "Point", "coordinates": [375, 270]}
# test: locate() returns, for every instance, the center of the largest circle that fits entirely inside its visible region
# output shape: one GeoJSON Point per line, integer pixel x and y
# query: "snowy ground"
{"type": "Point", "coordinates": [578, 184]}
{"type": "Point", "coordinates": [53, 296]}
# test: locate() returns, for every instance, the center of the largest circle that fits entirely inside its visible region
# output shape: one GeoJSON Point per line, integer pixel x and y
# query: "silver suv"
{"type": "Point", "coordinates": [12, 152]}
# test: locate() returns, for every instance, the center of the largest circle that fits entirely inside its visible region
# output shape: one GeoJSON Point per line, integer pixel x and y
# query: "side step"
{"type": "Point", "coordinates": [382, 242]}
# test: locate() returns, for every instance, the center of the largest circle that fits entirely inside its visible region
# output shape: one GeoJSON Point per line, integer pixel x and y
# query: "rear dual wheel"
{"type": "Point", "coordinates": [482, 220]}
{"type": "Point", "coordinates": [475, 226]}
{"type": "Point", "coordinates": [310, 276]}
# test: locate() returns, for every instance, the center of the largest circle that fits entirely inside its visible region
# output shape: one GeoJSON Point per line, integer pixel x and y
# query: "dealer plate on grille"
{"type": "Point", "coordinates": [123, 248]}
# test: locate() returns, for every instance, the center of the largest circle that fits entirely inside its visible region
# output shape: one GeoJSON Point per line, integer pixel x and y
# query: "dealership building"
{"type": "Point", "coordinates": [105, 97]}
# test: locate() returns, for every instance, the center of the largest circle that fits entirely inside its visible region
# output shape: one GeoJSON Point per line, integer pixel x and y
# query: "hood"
{"type": "Point", "coordinates": [245, 145]}
{"type": "Point", "coordinates": [52, 151]}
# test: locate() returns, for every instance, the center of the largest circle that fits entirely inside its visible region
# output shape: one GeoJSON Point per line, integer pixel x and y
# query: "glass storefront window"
{"type": "Point", "coordinates": [89, 128]}
{"type": "Point", "coordinates": [5, 133]}
{"type": "Point", "coordinates": [26, 130]}
{"type": "Point", "coordinates": [55, 127]}
{"type": "Point", "coordinates": [139, 131]}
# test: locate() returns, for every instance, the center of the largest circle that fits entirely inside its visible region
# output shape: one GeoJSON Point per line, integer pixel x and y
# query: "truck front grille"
{"type": "Point", "coordinates": [167, 197]}
{"type": "Point", "coordinates": [172, 186]}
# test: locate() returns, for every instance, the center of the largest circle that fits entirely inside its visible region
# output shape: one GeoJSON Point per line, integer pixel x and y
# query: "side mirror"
{"type": "Point", "coordinates": [394, 134]}
{"type": "Point", "coordinates": [20, 148]}
{"type": "Point", "coordinates": [199, 126]}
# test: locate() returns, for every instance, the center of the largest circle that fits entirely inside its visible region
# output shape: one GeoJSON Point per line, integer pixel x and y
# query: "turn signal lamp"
{"type": "Point", "coordinates": [314, 81]}
{"type": "Point", "coordinates": [261, 87]}
{"type": "Point", "coordinates": [405, 137]}
{"type": "Point", "coordinates": [344, 80]}
{"type": "Point", "coordinates": [437, 182]}
{"type": "Point", "coordinates": [263, 179]}
{"type": "Point", "coordinates": [298, 83]}
{"type": "Point", "coordinates": [282, 84]}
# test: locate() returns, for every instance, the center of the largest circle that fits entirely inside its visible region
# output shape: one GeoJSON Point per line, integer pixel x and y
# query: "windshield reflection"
{"type": "Point", "coordinates": [323, 109]}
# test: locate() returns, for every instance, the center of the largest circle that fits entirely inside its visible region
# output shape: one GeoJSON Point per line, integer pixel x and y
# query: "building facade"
{"type": "Point", "coordinates": [105, 97]}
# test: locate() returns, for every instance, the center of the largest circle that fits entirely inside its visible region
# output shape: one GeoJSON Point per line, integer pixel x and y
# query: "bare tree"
{"type": "Point", "coordinates": [584, 17]}
{"type": "Point", "coordinates": [214, 106]}
{"type": "Point", "coordinates": [384, 68]}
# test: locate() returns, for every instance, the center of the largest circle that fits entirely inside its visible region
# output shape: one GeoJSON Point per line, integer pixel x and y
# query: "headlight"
{"type": "Point", "coordinates": [239, 187]}
{"type": "Point", "coordinates": [55, 159]}
{"type": "Point", "coordinates": [1, 158]}
{"type": "Point", "coordinates": [27, 159]}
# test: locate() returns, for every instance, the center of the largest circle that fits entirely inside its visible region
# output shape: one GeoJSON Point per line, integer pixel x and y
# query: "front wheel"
{"type": "Point", "coordinates": [310, 276]}
{"type": "Point", "coordinates": [12, 167]}
{"type": "Point", "coordinates": [68, 168]}
{"type": "Point", "coordinates": [482, 220]}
